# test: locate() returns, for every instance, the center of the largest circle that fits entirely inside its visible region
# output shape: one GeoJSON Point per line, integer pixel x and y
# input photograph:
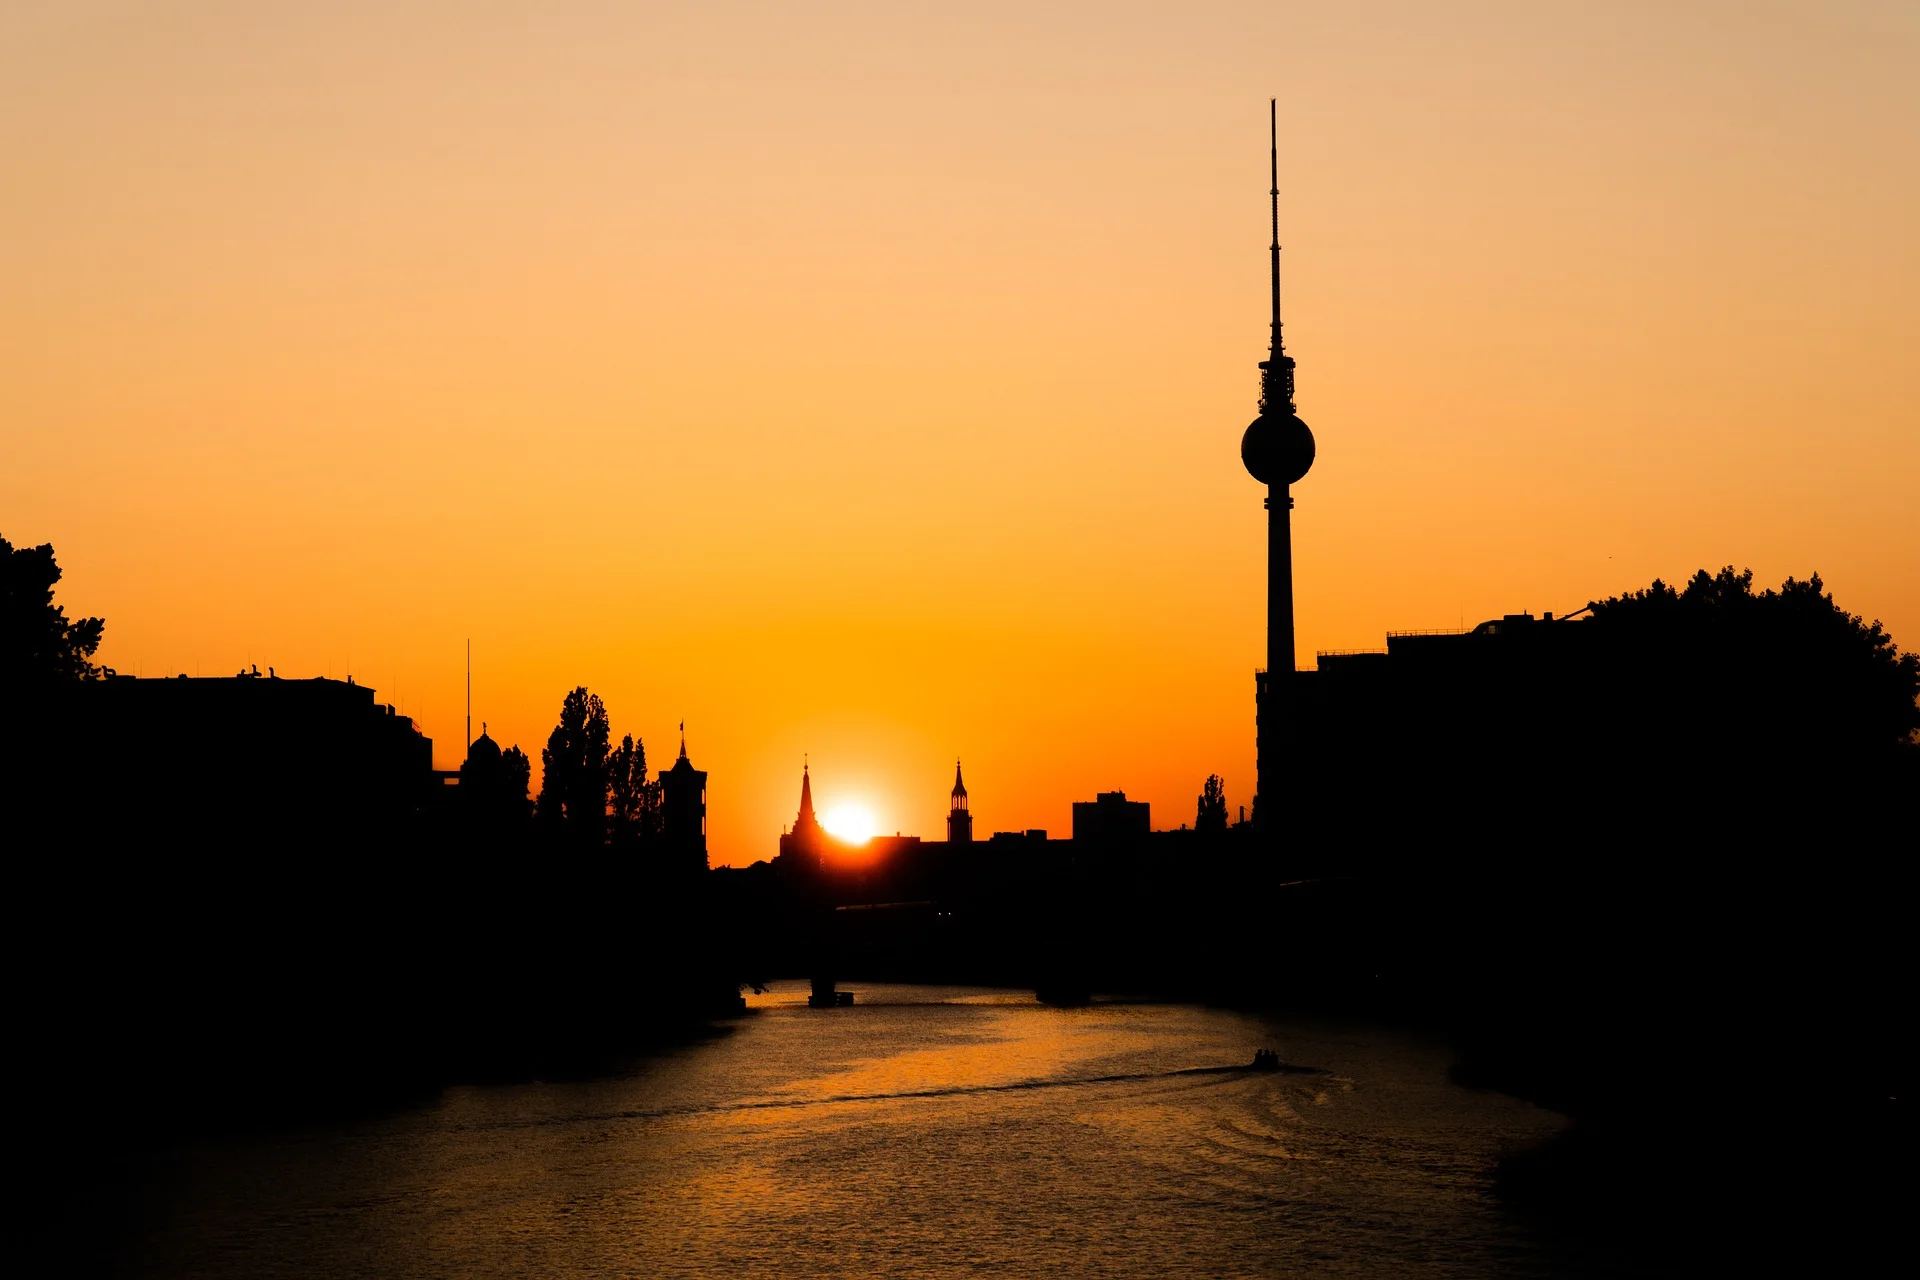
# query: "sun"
{"type": "Point", "coordinates": [853, 823]}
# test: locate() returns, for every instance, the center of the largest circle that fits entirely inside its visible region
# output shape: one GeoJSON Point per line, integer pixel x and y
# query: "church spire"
{"type": "Point", "coordinates": [959, 815]}
{"type": "Point", "coordinates": [806, 846]}
{"type": "Point", "coordinates": [806, 819]}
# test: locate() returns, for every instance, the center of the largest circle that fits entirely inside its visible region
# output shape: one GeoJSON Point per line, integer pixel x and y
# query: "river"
{"type": "Point", "coordinates": [923, 1132]}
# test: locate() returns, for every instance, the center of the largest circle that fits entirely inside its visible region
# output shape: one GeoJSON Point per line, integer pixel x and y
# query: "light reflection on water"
{"type": "Point", "coordinates": [924, 1131]}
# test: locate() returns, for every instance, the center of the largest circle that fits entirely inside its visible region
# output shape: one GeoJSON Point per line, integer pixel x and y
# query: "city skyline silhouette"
{"type": "Point", "coordinates": [891, 418]}
{"type": "Point", "coordinates": [832, 459]}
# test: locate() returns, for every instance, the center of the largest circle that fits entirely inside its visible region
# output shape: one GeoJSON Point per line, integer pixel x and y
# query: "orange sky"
{"type": "Point", "coordinates": [866, 379]}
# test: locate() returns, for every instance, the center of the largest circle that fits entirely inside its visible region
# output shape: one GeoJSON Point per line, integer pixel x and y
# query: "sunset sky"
{"type": "Point", "coordinates": [866, 380]}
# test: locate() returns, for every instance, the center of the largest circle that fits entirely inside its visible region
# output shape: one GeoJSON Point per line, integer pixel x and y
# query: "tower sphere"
{"type": "Point", "coordinates": [1277, 448]}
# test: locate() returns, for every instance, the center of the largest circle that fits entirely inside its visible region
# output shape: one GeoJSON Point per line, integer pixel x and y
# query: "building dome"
{"type": "Point", "coordinates": [1277, 448]}
{"type": "Point", "coordinates": [484, 749]}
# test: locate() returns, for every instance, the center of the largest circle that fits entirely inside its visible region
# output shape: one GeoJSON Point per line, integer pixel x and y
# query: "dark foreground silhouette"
{"type": "Point", "coordinates": [1675, 832]}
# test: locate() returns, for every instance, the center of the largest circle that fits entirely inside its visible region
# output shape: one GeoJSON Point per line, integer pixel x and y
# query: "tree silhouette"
{"type": "Point", "coordinates": [516, 773]}
{"type": "Point", "coordinates": [1787, 668]}
{"type": "Point", "coordinates": [634, 813]}
{"type": "Point", "coordinates": [38, 645]}
{"type": "Point", "coordinates": [1212, 812]}
{"type": "Point", "coordinates": [573, 787]}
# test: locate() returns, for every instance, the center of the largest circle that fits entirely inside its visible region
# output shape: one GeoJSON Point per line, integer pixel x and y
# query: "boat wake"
{"type": "Point", "coordinates": [1262, 1065]}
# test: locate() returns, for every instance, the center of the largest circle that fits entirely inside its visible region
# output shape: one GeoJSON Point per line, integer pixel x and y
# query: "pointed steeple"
{"type": "Point", "coordinates": [807, 845]}
{"type": "Point", "coordinates": [806, 820]}
{"type": "Point", "coordinates": [683, 739]}
{"type": "Point", "coordinates": [959, 814]}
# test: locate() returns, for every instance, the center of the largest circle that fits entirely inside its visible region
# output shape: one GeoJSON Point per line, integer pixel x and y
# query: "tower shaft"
{"type": "Point", "coordinates": [1280, 654]}
{"type": "Point", "coordinates": [1274, 687]}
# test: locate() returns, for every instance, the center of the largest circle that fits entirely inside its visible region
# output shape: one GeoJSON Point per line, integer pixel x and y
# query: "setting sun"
{"type": "Point", "coordinates": [853, 823]}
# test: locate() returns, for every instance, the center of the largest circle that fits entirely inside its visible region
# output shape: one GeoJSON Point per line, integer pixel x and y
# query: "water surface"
{"type": "Point", "coordinates": [925, 1131]}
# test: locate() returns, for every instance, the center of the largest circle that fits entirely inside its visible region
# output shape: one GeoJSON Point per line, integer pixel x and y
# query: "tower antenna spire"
{"type": "Point", "coordinates": [1273, 199]}
{"type": "Point", "coordinates": [470, 697]}
{"type": "Point", "coordinates": [1276, 371]}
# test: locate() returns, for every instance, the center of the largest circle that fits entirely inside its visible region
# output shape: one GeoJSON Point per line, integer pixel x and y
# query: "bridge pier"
{"type": "Point", "coordinates": [826, 997]}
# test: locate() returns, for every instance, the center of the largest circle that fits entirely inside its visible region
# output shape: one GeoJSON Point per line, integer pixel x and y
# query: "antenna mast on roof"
{"type": "Point", "coordinates": [469, 695]}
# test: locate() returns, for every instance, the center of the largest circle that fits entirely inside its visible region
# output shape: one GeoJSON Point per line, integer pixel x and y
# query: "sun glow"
{"type": "Point", "coordinates": [853, 823]}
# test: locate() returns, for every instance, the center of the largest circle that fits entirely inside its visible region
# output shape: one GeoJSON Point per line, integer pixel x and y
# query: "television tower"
{"type": "Point", "coordinates": [1277, 450]}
